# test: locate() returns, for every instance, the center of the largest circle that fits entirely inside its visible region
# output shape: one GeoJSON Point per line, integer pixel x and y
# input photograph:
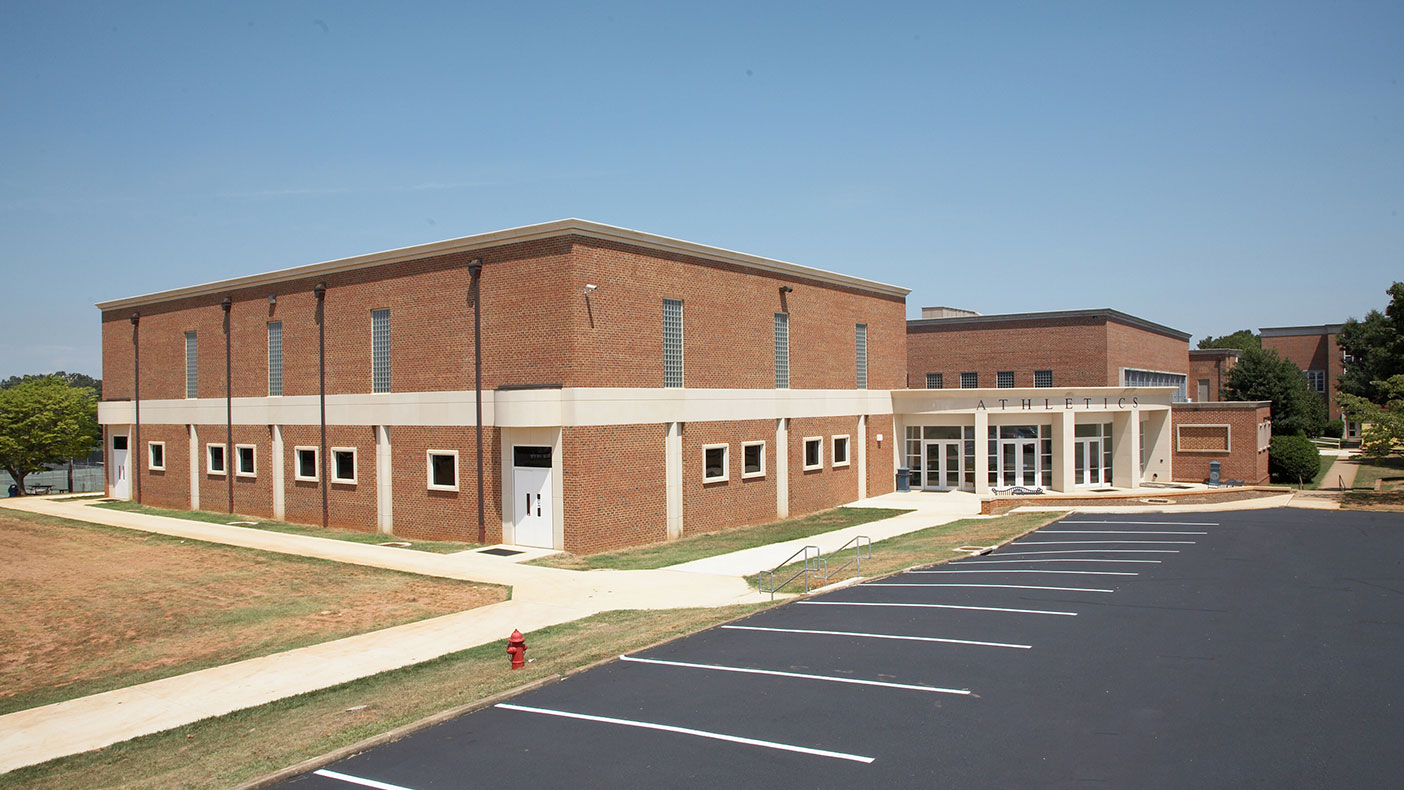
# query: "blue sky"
{"type": "Point", "coordinates": [1210, 166]}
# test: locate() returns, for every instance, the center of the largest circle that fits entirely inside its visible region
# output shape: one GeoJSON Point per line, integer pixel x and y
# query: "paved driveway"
{"type": "Point", "coordinates": [1250, 648]}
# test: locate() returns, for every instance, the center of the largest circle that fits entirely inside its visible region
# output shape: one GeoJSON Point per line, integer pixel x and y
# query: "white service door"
{"type": "Point", "coordinates": [120, 470]}
{"type": "Point", "coordinates": [532, 513]}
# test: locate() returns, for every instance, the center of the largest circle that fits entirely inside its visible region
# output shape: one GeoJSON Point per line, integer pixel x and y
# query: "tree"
{"type": "Point", "coordinates": [1384, 423]}
{"type": "Point", "coordinates": [1263, 375]}
{"type": "Point", "coordinates": [1243, 340]}
{"type": "Point", "coordinates": [1376, 348]}
{"type": "Point", "coordinates": [42, 421]}
{"type": "Point", "coordinates": [73, 379]}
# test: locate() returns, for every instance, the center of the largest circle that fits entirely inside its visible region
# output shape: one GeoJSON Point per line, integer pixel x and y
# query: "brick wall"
{"type": "Point", "coordinates": [1312, 352]}
{"type": "Point", "coordinates": [1244, 461]}
{"type": "Point", "coordinates": [1211, 367]}
{"type": "Point", "coordinates": [421, 514]}
{"type": "Point", "coordinates": [738, 500]}
{"type": "Point", "coordinates": [828, 486]}
{"type": "Point", "coordinates": [171, 487]}
{"type": "Point", "coordinates": [613, 490]}
{"type": "Point", "coordinates": [1132, 347]}
{"type": "Point", "coordinates": [882, 474]}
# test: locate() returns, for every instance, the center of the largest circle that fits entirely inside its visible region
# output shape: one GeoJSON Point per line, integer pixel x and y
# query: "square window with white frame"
{"type": "Point", "coordinates": [156, 456]}
{"type": "Point", "coordinates": [840, 451]}
{"type": "Point", "coordinates": [1004, 379]}
{"type": "Point", "coordinates": [969, 380]}
{"type": "Point", "coordinates": [933, 381]}
{"type": "Point", "coordinates": [305, 466]}
{"type": "Point", "coordinates": [753, 459]}
{"type": "Point", "coordinates": [813, 452]}
{"type": "Point", "coordinates": [343, 465]}
{"type": "Point", "coordinates": [715, 463]}
{"type": "Point", "coordinates": [215, 461]}
{"type": "Point", "coordinates": [1043, 378]}
{"type": "Point", "coordinates": [442, 470]}
{"type": "Point", "coordinates": [245, 460]}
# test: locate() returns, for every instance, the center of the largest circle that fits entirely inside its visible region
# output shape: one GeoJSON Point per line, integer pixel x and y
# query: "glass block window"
{"type": "Point", "coordinates": [191, 366]}
{"type": "Point", "coordinates": [861, 341]}
{"type": "Point", "coordinates": [275, 357]}
{"type": "Point", "coordinates": [933, 381]}
{"type": "Point", "coordinates": [1155, 378]}
{"type": "Point", "coordinates": [1004, 379]}
{"type": "Point", "coordinates": [1043, 378]}
{"type": "Point", "coordinates": [782, 351]}
{"type": "Point", "coordinates": [380, 351]}
{"type": "Point", "coordinates": [969, 380]}
{"type": "Point", "coordinates": [672, 343]}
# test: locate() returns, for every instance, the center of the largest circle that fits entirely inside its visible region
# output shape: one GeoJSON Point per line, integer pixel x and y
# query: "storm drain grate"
{"type": "Point", "coordinates": [500, 552]}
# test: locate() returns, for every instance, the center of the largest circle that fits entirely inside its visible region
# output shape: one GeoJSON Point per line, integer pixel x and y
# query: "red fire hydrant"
{"type": "Point", "coordinates": [516, 648]}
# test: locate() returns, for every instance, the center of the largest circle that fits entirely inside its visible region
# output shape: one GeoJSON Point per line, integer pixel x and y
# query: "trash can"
{"type": "Point", "coordinates": [904, 479]}
{"type": "Point", "coordinates": [1213, 473]}
{"type": "Point", "coordinates": [14, 490]}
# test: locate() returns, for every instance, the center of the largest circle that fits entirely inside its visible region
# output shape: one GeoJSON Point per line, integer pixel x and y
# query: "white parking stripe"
{"type": "Point", "coordinates": [1083, 573]}
{"type": "Point", "coordinates": [716, 736]}
{"type": "Point", "coordinates": [1098, 542]}
{"type": "Point", "coordinates": [1088, 551]}
{"type": "Point", "coordinates": [1112, 532]}
{"type": "Point", "coordinates": [936, 606]}
{"type": "Point", "coordinates": [1172, 523]}
{"type": "Point", "coordinates": [1000, 586]}
{"type": "Point", "coordinates": [802, 676]}
{"type": "Point", "coordinates": [862, 635]}
{"type": "Point", "coordinates": [356, 780]}
{"type": "Point", "coordinates": [1058, 559]}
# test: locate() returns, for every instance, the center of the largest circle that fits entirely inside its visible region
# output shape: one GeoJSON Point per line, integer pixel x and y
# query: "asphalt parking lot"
{"type": "Point", "coordinates": [1236, 649]}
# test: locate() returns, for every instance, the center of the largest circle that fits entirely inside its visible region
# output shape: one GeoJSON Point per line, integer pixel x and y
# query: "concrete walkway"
{"type": "Point", "coordinates": [540, 597]}
{"type": "Point", "coordinates": [929, 509]}
{"type": "Point", "coordinates": [1341, 475]}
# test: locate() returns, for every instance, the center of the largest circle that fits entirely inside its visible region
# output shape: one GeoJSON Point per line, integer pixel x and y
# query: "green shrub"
{"type": "Point", "coordinates": [1335, 429]}
{"type": "Point", "coordinates": [1292, 459]}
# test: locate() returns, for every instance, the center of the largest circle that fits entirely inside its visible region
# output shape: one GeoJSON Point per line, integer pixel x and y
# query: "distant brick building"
{"type": "Point", "coordinates": [1209, 368]}
{"type": "Point", "coordinates": [1314, 350]}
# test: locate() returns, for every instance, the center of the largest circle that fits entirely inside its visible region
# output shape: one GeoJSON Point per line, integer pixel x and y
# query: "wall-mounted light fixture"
{"type": "Point", "coordinates": [136, 317]}
{"type": "Point", "coordinates": [785, 289]}
{"type": "Point", "coordinates": [589, 289]}
{"type": "Point", "coordinates": [272, 298]}
{"type": "Point", "coordinates": [226, 304]}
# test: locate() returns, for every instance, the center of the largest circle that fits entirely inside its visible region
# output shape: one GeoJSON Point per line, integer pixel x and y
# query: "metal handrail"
{"type": "Point", "coordinates": [813, 563]}
{"type": "Point", "coordinates": [862, 550]}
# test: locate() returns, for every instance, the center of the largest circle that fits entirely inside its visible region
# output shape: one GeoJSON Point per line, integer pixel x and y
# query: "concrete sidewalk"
{"type": "Point", "coordinates": [540, 597]}
{"type": "Point", "coordinates": [928, 508]}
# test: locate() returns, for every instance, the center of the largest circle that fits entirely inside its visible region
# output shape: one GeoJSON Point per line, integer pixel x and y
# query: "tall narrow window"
{"type": "Point", "coordinates": [672, 343]}
{"type": "Point", "coordinates": [380, 350]}
{"type": "Point", "coordinates": [782, 351]}
{"type": "Point", "coordinates": [861, 342]}
{"type": "Point", "coordinates": [191, 367]}
{"type": "Point", "coordinates": [275, 357]}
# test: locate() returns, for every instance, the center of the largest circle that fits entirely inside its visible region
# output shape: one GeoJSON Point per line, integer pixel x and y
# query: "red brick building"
{"type": "Point", "coordinates": [634, 388]}
{"type": "Point", "coordinates": [1072, 399]}
{"type": "Point", "coordinates": [1209, 368]}
{"type": "Point", "coordinates": [1313, 349]}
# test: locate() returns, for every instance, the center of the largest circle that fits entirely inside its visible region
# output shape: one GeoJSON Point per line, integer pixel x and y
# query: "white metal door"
{"type": "Point", "coordinates": [1018, 463]}
{"type": "Point", "coordinates": [118, 466]}
{"type": "Point", "coordinates": [1087, 458]}
{"type": "Point", "coordinates": [532, 518]}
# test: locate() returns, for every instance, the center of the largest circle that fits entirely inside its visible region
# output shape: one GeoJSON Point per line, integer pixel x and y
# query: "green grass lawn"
{"type": "Point", "coordinates": [375, 538]}
{"type": "Point", "coordinates": [661, 555]}
{"type": "Point", "coordinates": [1372, 469]}
{"type": "Point", "coordinates": [934, 544]}
{"type": "Point", "coordinates": [1326, 462]}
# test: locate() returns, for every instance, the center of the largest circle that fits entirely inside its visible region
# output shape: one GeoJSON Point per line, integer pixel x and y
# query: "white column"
{"type": "Point", "coordinates": [194, 469]}
{"type": "Point", "coordinates": [672, 476]}
{"type": "Point", "coordinates": [1064, 445]}
{"type": "Point", "coordinates": [384, 501]}
{"type": "Point", "coordinates": [1126, 449]}
{"type": "Point", "coordinates": [279, 507]}
{"type": "Point", "coordinates": [782, 467]}
{"type": "Point", "coordinates": [982, 452]}
{"type": "Point", "coordinates": [863, 456]}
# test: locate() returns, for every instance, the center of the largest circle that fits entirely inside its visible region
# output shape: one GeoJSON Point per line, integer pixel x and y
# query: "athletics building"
{"type": "Point", "coordinates": [627, 388]}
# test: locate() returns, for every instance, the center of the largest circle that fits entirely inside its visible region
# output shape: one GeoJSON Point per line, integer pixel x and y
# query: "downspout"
{"type": "Point", "coordinates": [136, 399]}
{"type": "Point", "coordinates": [475, 270]}
{"type": "Point", "coordinates": [321, 293]}
{"type": "Point", "coordinates": [230, 462]}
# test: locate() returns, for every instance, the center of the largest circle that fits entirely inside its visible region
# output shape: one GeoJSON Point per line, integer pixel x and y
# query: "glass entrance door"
{"type": "Point", "coordinates": [945, 465]}
{"type": "Point", "coordinates": [1087, 462]}
{"type": "Point", "coordinates": [1018, 463]}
